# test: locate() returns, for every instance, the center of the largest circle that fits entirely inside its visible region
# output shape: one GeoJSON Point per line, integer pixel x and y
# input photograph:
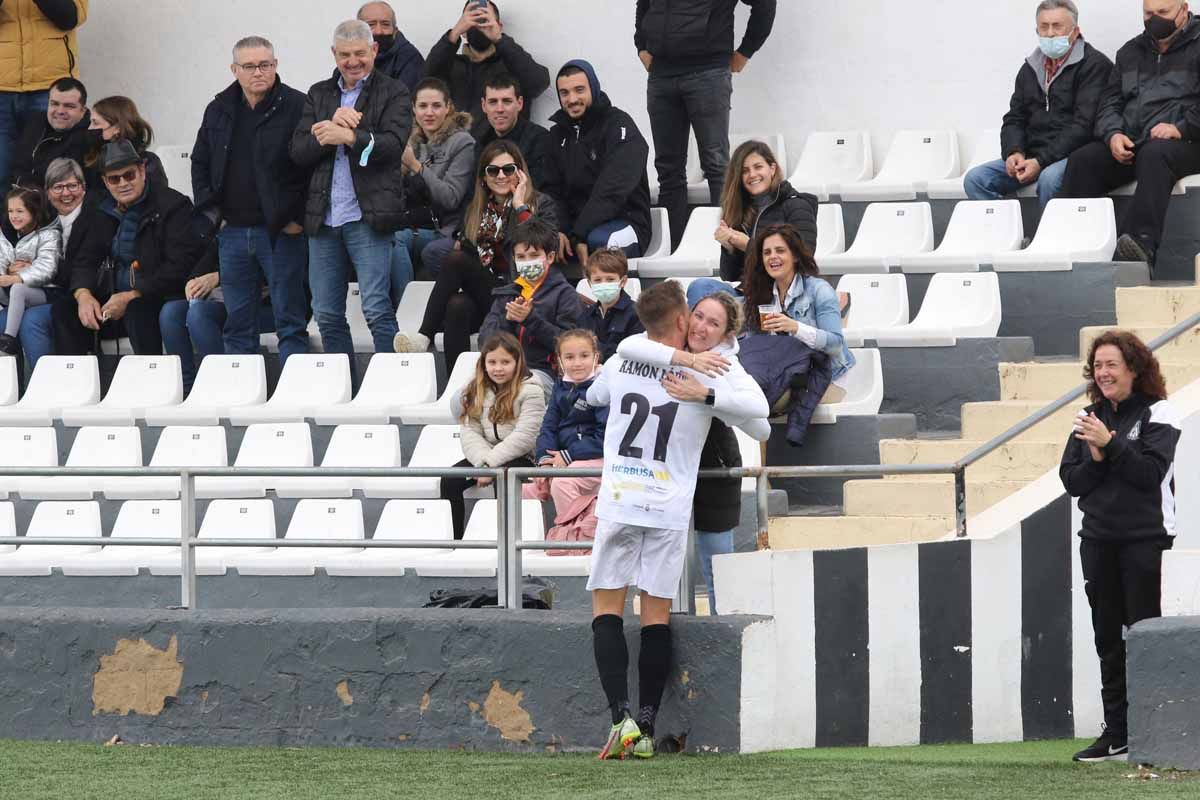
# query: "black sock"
{"type": "Point", "coordinates": [612, 662]}
{"type": "Point", "coordinates": [654, 664]}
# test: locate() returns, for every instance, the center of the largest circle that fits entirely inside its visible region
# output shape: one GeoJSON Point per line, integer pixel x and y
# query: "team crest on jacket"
{"type": "Point", "coordinates": [1135, 432]}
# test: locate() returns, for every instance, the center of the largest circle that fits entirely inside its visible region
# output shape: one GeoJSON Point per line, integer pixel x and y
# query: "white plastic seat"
{"type": "Point", "coordinates": [402, 520]}
{"type": "Point", "coordinates": [98, 446]}
{"type": "Point", "coordinates": [137, 519]}
{"type": "Point", "coordinates": [877, 303]}
{"type": "Point", "coordinates": [481, 527]}
{"type": "Point", "coordinates": [8, 526]}
{"type": "Point", "coordinates": [58, 382]}
{"type": "Point", "coordinates": [864, 390]}
{"type": "Point", "coordinates": [224, 519]}
{"type": "Point", "coordinates": [392, 382]}
{"type": "Point", "coordinates": [660, 238]}
{"type": "Point", "coordinates": [1071, 231]}
{"type": "Point", "coordinates": [59, 521]}
{"type": "Point", "coordinates": [889, 231]}
{"type": "Point", "coordinates": [956, 306]}
{"type": "Point", "coordinates": [177, 164]}
{"type": "Point", "coordinates": [437, 446]}
{"type": "Point", "coordinates": [411, 310]}
{"type": "Point", "coordinates": [831, 159]}
{"type": "Point", "coordinates": [287, 444]}
{"type": "Point", "coordinates": [26, 447]}
{"type": "Point", "coordinates": [222, 383]}
{"type": "Point", "coordinates": [698, 254]}
{"type": "Point", "coordinates": [987, 148]}
{"type": "Point", "coordinates": [751, 451]}
{"type": "Point", "coordinates": [140, 383]}
{"type": "Point", "coordinates": [9, 384]}
{"type": "Point", "coordinates": [178, 446]}
{"type": "Point", "coordinates": [360, 332]}
{"type": "Point", "coordinates": [698, 193]}
{"type": "Point", "coordinates": [349, 446]}
{"type": "Point", "coordinates": [312, 519]}
{"type": "Point", "coordinates": [308, 382]}
{"type": "Point", "coordinates": [916, 157]}
{"type": "Point", "coordinates": [438, 412]}
{"type": "Point", "coordinates": [977, 231]}
{"type": "Point", "coordinates": [633, 288]}
{"type": "Point", "coordinates": [831, 231]}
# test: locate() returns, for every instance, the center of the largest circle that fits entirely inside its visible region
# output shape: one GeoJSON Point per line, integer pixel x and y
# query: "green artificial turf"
{"type": "Point", "coordinates": [126, 772]}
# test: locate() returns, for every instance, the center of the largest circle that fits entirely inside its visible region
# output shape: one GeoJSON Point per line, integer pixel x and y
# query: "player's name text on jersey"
{"type": "Point", "coordinates": [642, 370]}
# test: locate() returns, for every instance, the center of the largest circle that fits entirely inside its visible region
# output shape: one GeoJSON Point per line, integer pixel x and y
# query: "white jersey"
{"type": "Point", "coordinates": [652, 445]}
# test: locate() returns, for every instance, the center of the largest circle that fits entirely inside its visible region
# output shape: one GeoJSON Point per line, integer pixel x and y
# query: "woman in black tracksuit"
{"type": "Point", "coordinates": [1119, 462]}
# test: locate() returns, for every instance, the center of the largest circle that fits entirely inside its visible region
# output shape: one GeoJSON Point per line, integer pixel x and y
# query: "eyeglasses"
{"type": "Point", "coordinates": [60, 188]}
{"type": "Point", "coordinates": [262, 66]}
{"type": "Point", "coordinates": [493, 171]}
{"type": "Point", "coordinates": [128, 176]}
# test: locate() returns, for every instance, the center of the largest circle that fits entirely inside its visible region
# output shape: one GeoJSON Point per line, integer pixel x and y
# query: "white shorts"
{"type": "Point", "coordinates": [628, 555]}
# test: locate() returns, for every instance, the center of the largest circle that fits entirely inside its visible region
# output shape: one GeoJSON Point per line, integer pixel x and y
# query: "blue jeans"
{"type": "Point", "coordinates": [617, 234]}
{"type": "Point", "coordinates": [247, 260]}
{"type": "Point", "coordinates": [409, 242]}
{"type": "Point", "coordinates": [330, 255]}
{"type": "Point", "coordinates": [435, 254]}
{"type": "Point", "coordinates": [189, 325]}
{"type": "Point", "coordinates": [707, 546]}
{"type": "Point", "coordinates": [703, 287]}
{"type": "Point", "coordinates": [36, 335]}
{"type": "Point", "coordinates": [991, 181]}
{"type": "Point", "coordinates": [14, 108]}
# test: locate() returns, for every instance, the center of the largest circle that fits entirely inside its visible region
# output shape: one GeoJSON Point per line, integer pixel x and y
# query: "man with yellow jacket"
{"type": "Point", "coordinates": [37, 47]}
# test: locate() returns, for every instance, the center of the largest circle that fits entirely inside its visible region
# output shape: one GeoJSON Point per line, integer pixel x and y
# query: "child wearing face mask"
{"type": "Point", "coordinates": [612, 317]}
{"type": "Point", "coordinates": [28, 261]}
{"type": "Point", "coordinates": [572, 436]}
{"type": "Point", "coordinates": [539, 305]}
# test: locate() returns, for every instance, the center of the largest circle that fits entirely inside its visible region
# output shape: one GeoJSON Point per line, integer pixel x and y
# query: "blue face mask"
{"type": "Point", "coordinates": [606, 292]}
{"type": "Point", "coordinates": [1055, 46]}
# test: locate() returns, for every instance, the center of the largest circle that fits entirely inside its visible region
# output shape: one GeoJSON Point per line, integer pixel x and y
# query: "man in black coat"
{"type": "Point", "coordinates": [1052, 111]}
{"type": "Point", "coordinates": [62, 132]}
{"type": "Point", "coordinates": [1148, 125]}
{"type": "Point", "coordinates": [138, 247]}
{"type": "Point", "coordinates": [398, 58]}
{"type": "Point", "coordinates": [599, 166]}
{"type": "Point", "coordinates": [487, 51]}
{"type": "Point", "coordinates": [352, 136]}
{"type": "Point", "coordinates": [242, 175]}
{"type": "Point", "coordinates": [504, 106]}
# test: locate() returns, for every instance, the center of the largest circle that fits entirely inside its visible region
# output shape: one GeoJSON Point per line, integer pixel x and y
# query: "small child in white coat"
{"type": "Point", "coordinates": [28, 266]}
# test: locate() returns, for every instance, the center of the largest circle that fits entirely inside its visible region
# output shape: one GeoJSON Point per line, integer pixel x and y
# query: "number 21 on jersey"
{"type": "Point", "coordinates": [639, 408]}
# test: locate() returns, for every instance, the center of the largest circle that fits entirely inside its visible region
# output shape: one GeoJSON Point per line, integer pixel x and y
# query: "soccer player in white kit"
{"type": "Point", "coordinates": [657, 423]}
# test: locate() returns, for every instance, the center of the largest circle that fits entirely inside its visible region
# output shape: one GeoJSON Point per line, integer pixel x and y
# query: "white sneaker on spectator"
{"type": "Point", "coordinates": [410, 343]}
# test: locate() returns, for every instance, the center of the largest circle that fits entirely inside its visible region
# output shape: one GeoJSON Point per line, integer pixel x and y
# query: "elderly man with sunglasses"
{"type": "Point", "coordinates": [138, 249]}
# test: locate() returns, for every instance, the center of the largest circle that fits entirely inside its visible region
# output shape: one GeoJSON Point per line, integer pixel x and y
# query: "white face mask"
{"type": "Point", "coordinates": [531, 270]}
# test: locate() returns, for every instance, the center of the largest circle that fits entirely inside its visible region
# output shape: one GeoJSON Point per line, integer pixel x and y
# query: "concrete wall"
{"type": "Point", "coordinates": [1164, 687]}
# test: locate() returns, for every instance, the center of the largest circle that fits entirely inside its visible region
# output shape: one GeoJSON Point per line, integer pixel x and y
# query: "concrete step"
{"type": "Point", "coordinates": [984, 421]}
{"type": "Point", "coordinates": [1156, 305]}
{"type": "Point", "coordinates": [1019, 460]}
{"type": "Point", "coordinates": [1044, 382]}
{"type": "Point", "coordinates": [834, 533]}
{"type": "Point", "coordinates": [922, 498]}
{"type": "Point", "coordinates": [1185, 348]}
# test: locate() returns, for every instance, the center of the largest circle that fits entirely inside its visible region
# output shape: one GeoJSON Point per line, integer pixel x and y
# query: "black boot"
{"type": "Point", "coordinates": [9, 345]}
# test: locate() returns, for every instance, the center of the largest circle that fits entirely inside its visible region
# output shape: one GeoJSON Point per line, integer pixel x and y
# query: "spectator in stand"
{"type": "Point", "coordinates": [487, 51]}
{"type": "Point", "coordinates": [118, 117]}
{"type": "Point", "coordinates": [1052, 111]}
{"type": "Point", "coordinates": [1120, 461]}
{"type": "Point", "coordinates": [28, 261]}
{"type": "Point", "coordinates": [243, 178]}
{"type": "Point", "coordinates": [398, 58]}
{"type": "Point", "coordinates": [352, 136]}
{"type": "Point", "coordinates": [504, 197]}
{"type": "Point", "coordinates": [37, 48]}
{"type": "Point", "coordinates": [501, 413]}
{"type": "Point", "coordinates": [539, 305]}
{"type": "Point", "coordinates": [612, 317]}
{"type": "Point", "coordinates": [504, 107]}
{"type": "Point", "coordinates": [138, 249]}
{"type": "Point", "coordinates": [688, 50]}
{"type": "Point", "coordinates": [438, 166]}
{"type": "Point", "coordinates": [786, 294]}
{"type": "Point", "coordinates": [599, 166]}
{"type": "Point", "coordinates": [61, 132]}
{"type": "Point", "coordinates": [1147, 124]}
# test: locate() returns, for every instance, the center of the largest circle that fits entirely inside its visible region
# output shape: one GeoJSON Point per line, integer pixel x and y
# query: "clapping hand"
{"type": "Point", "coordinates": [518, 310]}
{"type": "Point", "coordinates": [1094, 433]}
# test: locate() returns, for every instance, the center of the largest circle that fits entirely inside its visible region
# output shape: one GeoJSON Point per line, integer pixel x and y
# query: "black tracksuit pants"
{"type": "Point", "coordinates": [1123, 581]}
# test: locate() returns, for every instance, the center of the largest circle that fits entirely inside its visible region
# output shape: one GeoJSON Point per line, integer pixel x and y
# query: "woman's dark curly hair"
{"type": "Point", "coordinates": [1148, 378]}
{"type": "Point", "coordinates": [757, 284]}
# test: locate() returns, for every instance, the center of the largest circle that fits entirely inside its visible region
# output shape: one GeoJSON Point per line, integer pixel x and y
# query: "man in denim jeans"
{"type": "Point", "coordinates": [352, 136]}
{"type": "Point", "coordinates": [688, 50]}
{"type": "Point", "coordinates": [242, 176]}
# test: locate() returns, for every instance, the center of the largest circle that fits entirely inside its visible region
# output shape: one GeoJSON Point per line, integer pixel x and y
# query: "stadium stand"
{"type": "Point", "coordinates": [831, 159]}
{"type": "Point", "coordinates": [889, 231]}
{"type": "Point", "coordinates": [438, 412]}
{"type": "Point", "coordinates": [223, 519]}
{"type": "Point", "coordinates": [915, 158]}
{"type": "Point", "coordinates": [977, 232]}
{"type": "Point", "coordinates": [698, 254]}
{"type": "Point", "coordinates": [141, 383]}
{"type": "Point", "coordinates": [955, 307]}
{"type": "Point", "coordinates": [58, 382]}
{"type": "Point", "coordinates": [223, 383]}
{"type": "Point", "coordinates": [312, 519]}
{"type": "Point", "coordinates": [54, 520]}
{"type": "Point", "coordinates": [401, 520]}
{"type": "Point", "coordinates": [95, 446]}
{"type": "Point", "coordinates": [26, 447]}
{"type": "Point", "coordinates": [137, 519]}
{"type": "Point", "coordinates": [877, 303]}
{"type": "Point", "coordinates": [831, 230]}
{"type": "Point", "coordinates": [1071, 231]}
{"type": "Point", "coordinates": [309, 381]}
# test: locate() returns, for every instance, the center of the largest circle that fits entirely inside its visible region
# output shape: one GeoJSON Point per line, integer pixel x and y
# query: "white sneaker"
{"type": "Point", "coordinates": [410, 343]}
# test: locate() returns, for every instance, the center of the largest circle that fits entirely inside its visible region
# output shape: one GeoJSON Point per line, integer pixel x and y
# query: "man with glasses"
{"type": "Point", "coordinates": [244, 181]}
{"type": "Point", "coordinates": [137, 248]}
{"type": "Point", "coordinates": [62, 132]}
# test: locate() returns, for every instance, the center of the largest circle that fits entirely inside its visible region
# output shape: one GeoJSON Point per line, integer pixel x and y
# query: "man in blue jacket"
{"type": "Point", "coordinates": [242, 176]}
{"type": "Point", "coordinates": [398, 57]}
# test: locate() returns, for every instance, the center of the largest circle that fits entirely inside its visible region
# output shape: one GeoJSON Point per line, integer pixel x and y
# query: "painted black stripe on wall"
{"type": "Point", "coordinates": [842, 647]}
{"type": "Point", "coordinates": [1046, 683]}
{"type": "Point", "coordinates": [945, 612]}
